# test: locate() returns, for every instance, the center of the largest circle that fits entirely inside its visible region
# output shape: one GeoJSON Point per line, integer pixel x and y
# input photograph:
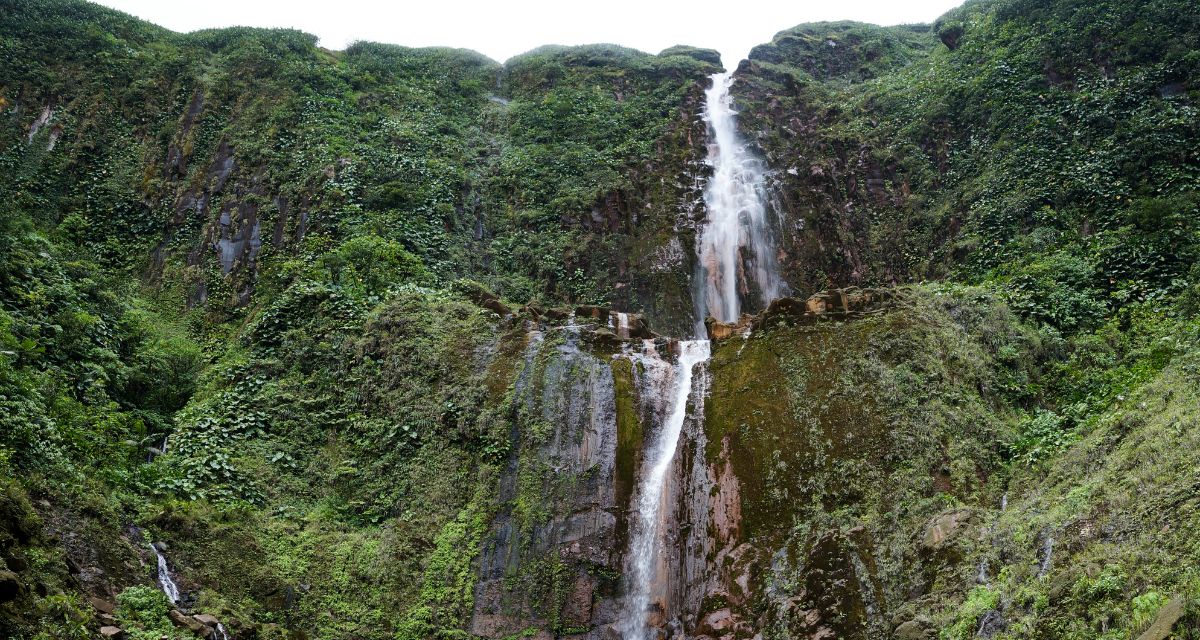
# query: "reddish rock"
{"type": "Point", "coordinates": [578, 608]}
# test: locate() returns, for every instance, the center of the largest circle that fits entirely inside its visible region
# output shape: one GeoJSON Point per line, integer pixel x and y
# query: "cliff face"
{"type": "Point", "coordinates": [374, 343]}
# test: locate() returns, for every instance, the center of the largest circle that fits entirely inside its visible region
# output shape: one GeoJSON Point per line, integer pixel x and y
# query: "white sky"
{"type": "Point", "coordinates": [503, 28]}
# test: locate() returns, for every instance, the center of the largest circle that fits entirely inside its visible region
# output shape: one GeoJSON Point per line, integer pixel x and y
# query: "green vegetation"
{"type": "Point", "coordinates": [300, 272]}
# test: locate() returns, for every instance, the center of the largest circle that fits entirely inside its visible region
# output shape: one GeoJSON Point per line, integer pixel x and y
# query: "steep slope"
{"type": "Point", "coordinates": [352, 336]}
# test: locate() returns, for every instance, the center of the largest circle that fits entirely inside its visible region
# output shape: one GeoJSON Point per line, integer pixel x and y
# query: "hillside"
{"type": "Point", "coordinates": [375, 343]}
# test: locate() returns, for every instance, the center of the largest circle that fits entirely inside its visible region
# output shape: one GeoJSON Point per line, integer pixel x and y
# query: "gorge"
{"type": "Point", "coordinates": [884, 332]}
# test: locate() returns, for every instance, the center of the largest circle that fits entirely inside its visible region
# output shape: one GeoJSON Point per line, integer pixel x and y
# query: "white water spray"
{"type": "Point", "coordinates": [735, 247]}
{"type": "Point", "coordinates": [164, 577]}
{"type": "Point", "coordinates": [646, 541]}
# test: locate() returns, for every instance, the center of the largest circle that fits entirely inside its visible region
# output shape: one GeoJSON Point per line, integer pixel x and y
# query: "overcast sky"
{"type": "Point", "coordinates": [503, 28]}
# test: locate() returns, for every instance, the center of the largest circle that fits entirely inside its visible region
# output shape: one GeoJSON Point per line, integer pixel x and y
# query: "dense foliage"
{"type": "Point", "coordinates": [255, 295]}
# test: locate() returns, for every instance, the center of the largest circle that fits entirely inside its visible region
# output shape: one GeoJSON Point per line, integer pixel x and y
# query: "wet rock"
{"type": "Point", "coordinates": [991, 624]}
{"type": "Point", "coordinates": [112, 633]}
{"type": "Point", "coordinates": [718, 330]}
{"type": "Point", "coordinates": [631, 326]}
{"type": "Point", "coordinates": [1170, 614]}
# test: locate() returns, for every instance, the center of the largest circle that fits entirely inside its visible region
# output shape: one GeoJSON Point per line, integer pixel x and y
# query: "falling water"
{"type": "Point", "coordinates": [646, 543]}
{"type": "Point", "coordinates": [1047, 552]}
{"type": "Point", "coordinates": [164, 577]}
{"type": "Point", "coordinates": [221, 633]}
{"type": "Point", "coordinates": [623, 325]}
{"type": "Point", "coordinates": [736, 258]}
{"type": "Point", "coordinates": [735, 247]}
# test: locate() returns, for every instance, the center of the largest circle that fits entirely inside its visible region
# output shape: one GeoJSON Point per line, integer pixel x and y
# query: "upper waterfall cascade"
{"type": "Point", "coordinates": [735, 248]}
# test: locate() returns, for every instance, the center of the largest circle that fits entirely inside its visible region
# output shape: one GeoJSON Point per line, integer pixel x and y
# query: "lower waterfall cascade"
{"type": "Point", "coordinates": [645, 553]}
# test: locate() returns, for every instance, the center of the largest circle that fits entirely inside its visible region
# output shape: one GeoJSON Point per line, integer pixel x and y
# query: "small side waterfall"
{"type": "Point", "coordinates": [646, 542]}
{"type": "Point", "coordinates": [164, 577]}
{"type": "Point", "coordinates": [737, 255]}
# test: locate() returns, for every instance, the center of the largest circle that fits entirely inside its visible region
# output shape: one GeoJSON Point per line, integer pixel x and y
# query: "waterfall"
{"type": "Point", "coordinates": [736, 260]}
{"type": "Point", "coordinates": [1047, 552]}
{"type": "Point", "coordinates": [735, 249]}
{"type": "Point", "coordinates": [646, 541]}
{"type": "Point", "coordinates": [164, 577]}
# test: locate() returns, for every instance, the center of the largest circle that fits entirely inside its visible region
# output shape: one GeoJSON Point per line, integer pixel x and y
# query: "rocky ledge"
{"type": "Point", "coordinates": [831, 305]}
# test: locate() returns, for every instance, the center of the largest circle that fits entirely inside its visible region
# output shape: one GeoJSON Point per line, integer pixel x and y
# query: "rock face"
{"type": "Point", "coordinates": [850, 303]}
{"type": "Point", "coordinates": [583, 466]}
{"type": "Point", "coordinates": [567, 463]}
{"type": "Point", "coordinates": [587, 406]}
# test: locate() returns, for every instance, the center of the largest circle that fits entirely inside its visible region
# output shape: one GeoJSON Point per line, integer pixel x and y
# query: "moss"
{"type": "Point", "coordinates": [629, 443]}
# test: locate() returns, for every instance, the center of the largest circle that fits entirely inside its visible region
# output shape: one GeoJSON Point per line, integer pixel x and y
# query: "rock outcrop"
{"type": "Point", "coordinates": [835, 304]}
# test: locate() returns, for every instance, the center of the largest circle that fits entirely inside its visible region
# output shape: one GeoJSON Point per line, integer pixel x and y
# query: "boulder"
{"type": "Point", "coordinates": [11, 586]}
{"type": "Point", "coordinates": [914, 630]}
{"type": "Point", "coordinates": [1160, 629]}
{"type": "Point", "coordinates": [207, 620]}
{"type": "Point", "coordinates": [718, 330]}
{"type": "Point", "coordinates": [112, 633]}
{"type": "Point", "coordinates": [101, 605]}
{"type": "Point", "coordinates": [591, 311]}
{"type": "Point", "coordinates": [184, 621]}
